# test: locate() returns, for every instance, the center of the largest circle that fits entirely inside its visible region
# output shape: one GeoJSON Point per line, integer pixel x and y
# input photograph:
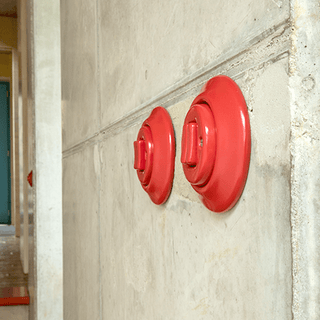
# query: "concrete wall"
{"type": "Point", "coordinates": [125, 257]}
{"type": "Point", "coordinates": [305, 147]}
{"type": "Point", "coordinates": [8, 32]}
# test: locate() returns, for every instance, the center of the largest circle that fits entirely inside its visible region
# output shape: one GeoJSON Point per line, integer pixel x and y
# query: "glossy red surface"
{"type": "Point", "coordinates": [29, 178]}
{"type": "Point", "coordinates": [199, 146]}
{"type": "Point", "coordinates": [154, 155]}
{"type": "Point", "coordinates": [14, 296]}
{"type": "Point", "coordinates": [216, 144]}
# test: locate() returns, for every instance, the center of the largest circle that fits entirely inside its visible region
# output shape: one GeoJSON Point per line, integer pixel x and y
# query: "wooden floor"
{"type": "Point", "coordinates": [11, 273]}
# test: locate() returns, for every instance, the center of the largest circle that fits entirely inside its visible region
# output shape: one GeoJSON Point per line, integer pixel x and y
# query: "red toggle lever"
{"type": "Point", "coordinates": [190, 148]}
{"type": "Point", "coordinates": [139, 155]}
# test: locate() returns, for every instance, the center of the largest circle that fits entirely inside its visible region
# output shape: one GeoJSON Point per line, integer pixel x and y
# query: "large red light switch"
{"type": "Point", "coordinates": [216, 144]}
{"type": "Point", "coordinates": [154, 152]}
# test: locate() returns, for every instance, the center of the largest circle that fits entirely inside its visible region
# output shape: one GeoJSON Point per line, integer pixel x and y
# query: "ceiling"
{"type": "Point", "coordinates": [8, 8]}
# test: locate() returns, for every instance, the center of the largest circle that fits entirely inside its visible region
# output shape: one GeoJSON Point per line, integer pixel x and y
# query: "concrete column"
{"type": "Point", "coordinates": [48, 266]}
{"type": "Point", "coordinates": [305, 150]}
{"type": "Point", "coordinates": [24, 73]}
{"type": "Point", "coordinates": [15, 142]}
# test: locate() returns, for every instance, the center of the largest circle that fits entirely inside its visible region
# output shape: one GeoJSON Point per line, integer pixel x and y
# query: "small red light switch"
{"type": "Point", "coordinates": [154, 153]}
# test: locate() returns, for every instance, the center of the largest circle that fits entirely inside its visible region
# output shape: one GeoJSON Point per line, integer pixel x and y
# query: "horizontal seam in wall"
{"type": "Point", "coordinates": [234, 67]}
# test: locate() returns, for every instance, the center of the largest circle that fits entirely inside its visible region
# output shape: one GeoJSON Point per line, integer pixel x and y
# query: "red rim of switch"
{"type": "Point", "coordinates": [216, 144]}
{"type": "Point", "coordinates": [154, 152]}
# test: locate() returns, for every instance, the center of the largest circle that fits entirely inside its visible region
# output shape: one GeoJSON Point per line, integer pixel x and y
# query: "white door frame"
{"type": "Point", "coordinates": [14, 145]}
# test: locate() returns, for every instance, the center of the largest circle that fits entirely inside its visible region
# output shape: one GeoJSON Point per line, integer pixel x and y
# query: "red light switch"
{"type": "Point", "coordinates": [216, 144]}
{"type": "Point", "coordinates": [29, 178]}
{"type": "Point", "coordinates": [154, 152]}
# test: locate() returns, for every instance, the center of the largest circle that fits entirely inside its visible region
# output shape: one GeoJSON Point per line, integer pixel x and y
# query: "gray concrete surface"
{"type": "Point", "coordinates": [154, 45]}
{"type": "Point", "coordinates": [44, 83]}
{"type": "Point", "coordinates": [80, 83]}
{"type": "Point", "coordinates": [305, 150]}
{"type": "Point", "coordinates": [14, 313]}
{"type": "Point", "coordinates": [124, 257]}
{"type": "Point", "coordinates": [81, 224]}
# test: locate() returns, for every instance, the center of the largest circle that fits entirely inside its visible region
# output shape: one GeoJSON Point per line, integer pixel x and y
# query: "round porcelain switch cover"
{"type": "Point", "coordinates": [216, 144]}
{"type": "Point", "coordinates": [154, 152]}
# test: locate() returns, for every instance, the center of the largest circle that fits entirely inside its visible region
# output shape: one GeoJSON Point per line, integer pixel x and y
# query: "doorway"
{"type": "Point", "coordinates": [5, 181]}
